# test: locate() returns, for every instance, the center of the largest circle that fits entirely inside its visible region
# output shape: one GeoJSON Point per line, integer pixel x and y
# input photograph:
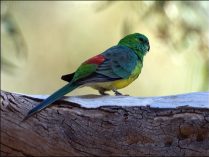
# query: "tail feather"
{"type": "Point", "coordinates": [52, 98]}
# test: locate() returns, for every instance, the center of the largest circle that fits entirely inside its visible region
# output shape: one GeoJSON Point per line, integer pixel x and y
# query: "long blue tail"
{"type": "Point", "coordinates": [52, 98]}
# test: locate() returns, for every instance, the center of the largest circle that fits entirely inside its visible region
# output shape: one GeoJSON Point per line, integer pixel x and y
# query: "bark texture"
{"type": "Point", "coordinates": [67, 129]}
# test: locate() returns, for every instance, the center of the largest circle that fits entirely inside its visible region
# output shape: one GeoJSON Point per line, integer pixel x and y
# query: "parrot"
{"type": "Point", "coordinates": [113, 69]}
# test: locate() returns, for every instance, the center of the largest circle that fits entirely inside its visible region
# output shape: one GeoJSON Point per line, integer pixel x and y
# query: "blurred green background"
{"type": "Point", "coordinates": [40, 41]}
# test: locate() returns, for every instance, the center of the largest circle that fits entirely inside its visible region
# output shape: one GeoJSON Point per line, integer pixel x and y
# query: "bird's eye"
{"type": "Point", "coordinates": [140, 39]}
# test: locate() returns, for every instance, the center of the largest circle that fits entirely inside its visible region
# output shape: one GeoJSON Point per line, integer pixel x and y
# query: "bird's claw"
{"type": "Point", "coordinates": [118, 93]}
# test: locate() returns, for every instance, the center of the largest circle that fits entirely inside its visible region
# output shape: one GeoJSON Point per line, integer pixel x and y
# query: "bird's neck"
{"type": "Point", "coordinates": [134, 48]}
{"type": "Point", "coordinates": [140, 55]}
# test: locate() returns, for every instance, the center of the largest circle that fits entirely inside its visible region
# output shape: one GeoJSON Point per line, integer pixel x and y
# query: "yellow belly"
{"type": "Point", "coordinates": [112, 85]}
{"type": "Point", "coordinates": [119, 83]}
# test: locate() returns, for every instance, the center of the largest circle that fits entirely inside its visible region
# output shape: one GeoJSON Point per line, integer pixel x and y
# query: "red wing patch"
{"type": "Point", "coordinates": [96, 60]}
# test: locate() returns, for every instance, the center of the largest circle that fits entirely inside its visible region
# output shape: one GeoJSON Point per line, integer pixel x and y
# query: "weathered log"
{"type": "Point", "coordinates": [109, 127]}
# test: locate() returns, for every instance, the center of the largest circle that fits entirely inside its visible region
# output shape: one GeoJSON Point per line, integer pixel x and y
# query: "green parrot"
{"type": "Point", "coordinates": [113, 69]}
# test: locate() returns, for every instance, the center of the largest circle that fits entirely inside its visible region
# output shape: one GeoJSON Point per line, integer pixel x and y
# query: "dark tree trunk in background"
{"type": "Point", "coordinates": [67, 129]}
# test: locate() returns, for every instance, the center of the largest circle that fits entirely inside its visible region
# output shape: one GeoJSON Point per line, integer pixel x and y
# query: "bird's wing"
{"type": "Point", "coordinates": [120, 62]}
{"type": "Point", "coordinates": [88, 68]}
{"type": "Point", "coordinates": [115, 63]}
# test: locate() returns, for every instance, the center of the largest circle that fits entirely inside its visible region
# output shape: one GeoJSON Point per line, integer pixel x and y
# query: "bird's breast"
{"type": "Point", "coordinates": [118, 84]}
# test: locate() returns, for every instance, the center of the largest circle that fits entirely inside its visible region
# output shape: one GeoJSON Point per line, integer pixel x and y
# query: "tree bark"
{"type": "Point", "coordinates": [69, 129]}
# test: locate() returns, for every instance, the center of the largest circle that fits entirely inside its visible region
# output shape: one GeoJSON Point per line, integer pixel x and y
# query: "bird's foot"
{"type": "Point", "coordinates": [102, 92]}
{"type": "Point", "coordinates": [117, 93]}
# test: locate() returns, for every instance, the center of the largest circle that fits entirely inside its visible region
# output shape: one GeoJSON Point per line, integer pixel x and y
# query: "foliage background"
{"type": "Point", "coordinates": [42, 40]}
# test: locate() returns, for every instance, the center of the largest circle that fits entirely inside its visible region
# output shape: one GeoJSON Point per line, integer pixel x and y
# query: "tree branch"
{"type": "Point", "coordinates": [107, 127]}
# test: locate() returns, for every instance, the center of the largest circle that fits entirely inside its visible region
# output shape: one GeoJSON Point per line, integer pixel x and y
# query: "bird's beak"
{"type": "Point", "coordinates": [148, 46]}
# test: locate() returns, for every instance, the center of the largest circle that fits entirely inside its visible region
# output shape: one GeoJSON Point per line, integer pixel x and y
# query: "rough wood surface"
{"type": "Point", "coordinates": [68, 129]}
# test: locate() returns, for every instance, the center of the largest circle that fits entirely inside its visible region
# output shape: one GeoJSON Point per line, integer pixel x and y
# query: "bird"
{"type": "Point", "coordinates": [113, 69]}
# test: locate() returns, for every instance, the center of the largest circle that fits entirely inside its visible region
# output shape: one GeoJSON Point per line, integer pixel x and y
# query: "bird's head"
{"type": "Point", "coordinates": [138, 42]}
